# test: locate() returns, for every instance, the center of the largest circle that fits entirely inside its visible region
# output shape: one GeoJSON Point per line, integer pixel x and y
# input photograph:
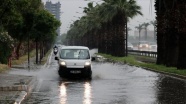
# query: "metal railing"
{"type": "Point", "coordinates": [143, 53]}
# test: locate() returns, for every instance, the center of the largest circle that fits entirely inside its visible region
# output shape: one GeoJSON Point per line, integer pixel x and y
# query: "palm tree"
{"type": "Point", "coordinates": [171, 33]}
{"type": "Point", "coordinates": [182, 38]}
{"type": "Point", "coordinates": [84, 32]}
{"type": "Point", "coordinates": [140, 27]}
{"type": "Point", "coordinates": [154, 24]}
{"type": "Point", "coordinates": [111, 19]}
{"type": "Point", "coordinates": [119, 11]}
{"type": "Point", "coordinates": [145, 27]}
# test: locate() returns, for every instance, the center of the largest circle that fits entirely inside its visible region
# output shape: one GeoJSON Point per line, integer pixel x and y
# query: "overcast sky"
{"type": "Point", "coordinates": [70, 12]}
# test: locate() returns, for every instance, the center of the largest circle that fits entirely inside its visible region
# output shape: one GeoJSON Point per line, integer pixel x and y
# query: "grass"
{"type": "Point", "coordinates": [32, 54]}
{"type": "Point", "coordinates": [23, 58]}
{"type": "Point", "coordinates": [44, 60]}
{"type": "Point", "coordinates": [3, 68]}
{"type": "Point", "coordinates": [132, 60]}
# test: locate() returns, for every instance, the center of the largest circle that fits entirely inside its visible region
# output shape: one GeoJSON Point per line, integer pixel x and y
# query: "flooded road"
{"type": "Point", "coordinates": [111, 84]}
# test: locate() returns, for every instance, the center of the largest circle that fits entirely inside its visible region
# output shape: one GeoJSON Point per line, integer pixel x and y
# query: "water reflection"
{"type": "Point", "coordinates": [70, 92]}
{"type": "Point", "coordinates": [63, 93]}
{"type": "Point", "coordinates": [87, 93]}
{"type": "Point", "coordinates": [171, 91]}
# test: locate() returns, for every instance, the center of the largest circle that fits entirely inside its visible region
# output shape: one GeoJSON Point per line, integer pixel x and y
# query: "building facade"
{"type": "Point", "coordinates": [55, 10]}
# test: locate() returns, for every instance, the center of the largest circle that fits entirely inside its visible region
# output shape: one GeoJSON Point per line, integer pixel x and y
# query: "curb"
{"type": "Point", "coordinates": [19, 92]}
{"type": "Point", "coordinates": [28, 89]}
{"type": "Point", "coordinates": [48, 61]}
{"type": "Point", "coordinates": [22, 86]}
{"type": "Point", "coordinates": [166, 73]}
{"type": "Point", "coordinates": [21, 97]}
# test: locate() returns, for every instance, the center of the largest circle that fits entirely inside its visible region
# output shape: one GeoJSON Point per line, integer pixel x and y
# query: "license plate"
{"type": "Point", "coordinates": [75, 71]}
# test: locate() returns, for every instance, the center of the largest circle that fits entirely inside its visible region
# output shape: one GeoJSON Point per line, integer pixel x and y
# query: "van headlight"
{"type": "Point", "coordinates": [63, 63]}
{"type": "Point", "coordinates": [147, 45]}
{"type": "Point", "coordinates": [87, 63]}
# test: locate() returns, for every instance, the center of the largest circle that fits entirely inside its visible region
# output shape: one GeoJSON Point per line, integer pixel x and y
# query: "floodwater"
{"type": "Point", "coordinates": [111, 83]}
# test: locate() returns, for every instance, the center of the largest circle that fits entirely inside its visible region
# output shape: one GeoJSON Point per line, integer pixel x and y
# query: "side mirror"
{"type": "Point", "coordinates": [56, 58]}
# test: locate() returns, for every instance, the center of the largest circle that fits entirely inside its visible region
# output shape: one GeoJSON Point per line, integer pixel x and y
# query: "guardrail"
{"type": "Point", "coordinates": [143, 53]}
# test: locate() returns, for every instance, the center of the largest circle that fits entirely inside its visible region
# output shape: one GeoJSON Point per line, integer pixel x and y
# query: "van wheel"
{"type": "Point", "coordinates": [89, 77]}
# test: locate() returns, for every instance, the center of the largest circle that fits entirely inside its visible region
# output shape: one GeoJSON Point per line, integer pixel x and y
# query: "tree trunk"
{"type": "Point", "coordinates": [171, 47]}
{"type": "Point", "coordinates": [17, 50]}
{"type": "Point", "coordinates": [182, 35]}
{"type": "Point", "coordinates": [37, 52]}
{"type": "Point", "coordinates": [115, 38]}
{"type": "Point", "coordinates": [182, 52]}
{"type": "Point", "coordinates": [160, 12]}
{"type": "Point", "coordinates": [120, 36]}
{"type": "Point", "coordinates": [109, 37]}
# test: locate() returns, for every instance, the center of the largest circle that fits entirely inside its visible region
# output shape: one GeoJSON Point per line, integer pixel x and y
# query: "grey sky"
{"type": "Point", "coordinates": [69, 9]}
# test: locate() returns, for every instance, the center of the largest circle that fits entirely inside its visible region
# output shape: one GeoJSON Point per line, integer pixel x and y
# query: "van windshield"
{"type": "Point", "coordinates": [74, 54]}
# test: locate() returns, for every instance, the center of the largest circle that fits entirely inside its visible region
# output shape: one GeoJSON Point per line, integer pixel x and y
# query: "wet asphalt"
{"type": "Point", "coordinates": [111, 83]}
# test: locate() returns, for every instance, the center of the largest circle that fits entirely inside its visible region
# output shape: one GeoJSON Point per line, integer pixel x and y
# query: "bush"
{"type": "Point", "coordinates": [6, 46]}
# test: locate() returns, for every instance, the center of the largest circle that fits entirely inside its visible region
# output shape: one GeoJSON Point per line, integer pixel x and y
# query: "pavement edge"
{"type": "Point", "coordinates": [26, 92]}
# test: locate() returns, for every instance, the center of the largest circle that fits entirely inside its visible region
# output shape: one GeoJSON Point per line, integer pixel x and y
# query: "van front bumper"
{"type": "Point", "coordinates": [75, 72]}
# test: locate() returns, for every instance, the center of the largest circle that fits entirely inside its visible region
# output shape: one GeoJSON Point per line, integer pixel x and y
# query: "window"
{"type": "Point", "coordinates": [74, 54]}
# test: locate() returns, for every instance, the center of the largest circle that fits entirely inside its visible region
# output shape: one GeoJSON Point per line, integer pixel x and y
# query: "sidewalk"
{"type": "Point", "coordinates": [15, 88]}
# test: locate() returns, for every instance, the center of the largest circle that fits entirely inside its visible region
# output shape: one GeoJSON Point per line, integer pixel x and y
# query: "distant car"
{"type": "Point", "coordinates": [74, 61]}
{"type": "Point", "coordinates": [152, 46]}
{"type": "Point", "coordinates": [143, 46]}
{"type": "Point", "coordinates": [130, 46]}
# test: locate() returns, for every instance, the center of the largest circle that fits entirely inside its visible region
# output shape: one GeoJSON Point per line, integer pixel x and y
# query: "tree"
{"type": "Point", "coordinates": [109, 22]}
{"type": "Point", "coordinates": [89, 8]}
{"type": "Point", "coordinates": [6, 47]}
{"type": "Point", "coordinates": [119, 11]}
{"type": "Point", "coordinates": [44, 30]}
{"type": "Point", "coordinates": [140, 27]}
{"type": "Point", "coordinates": [20, 25]}
{"type": "Point", "coordinates": [145, 27]}
{"type": "Point", "coordinates": [182, 35]}
{"type": "Point", "coordinates": [154, 25]}
{"type": "Point", "coordinates": [171, 33]}
{"type": "Point", "coordinates": [22, 21]}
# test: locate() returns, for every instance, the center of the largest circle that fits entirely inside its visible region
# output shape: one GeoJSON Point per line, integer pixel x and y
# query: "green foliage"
{"type": "Point", "coordinates": [45, 25]}
{"type": "Point", "coordinates": [6, 46]}
{"type": "Point", "coordinates": [63, 38]}
{"type": "Point", "coordinates": [5, 38]}
{"type": "Point", "coordinates": [103, 24]}
{"type": "Point", "coordinates": [27, 19]}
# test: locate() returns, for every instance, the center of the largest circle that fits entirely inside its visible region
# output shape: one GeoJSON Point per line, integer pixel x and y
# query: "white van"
{"type": "Point", "coordinates": [74, 61]}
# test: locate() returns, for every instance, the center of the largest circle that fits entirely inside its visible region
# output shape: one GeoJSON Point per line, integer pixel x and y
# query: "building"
{"type": "Point", "coordinates": [55, 10]}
